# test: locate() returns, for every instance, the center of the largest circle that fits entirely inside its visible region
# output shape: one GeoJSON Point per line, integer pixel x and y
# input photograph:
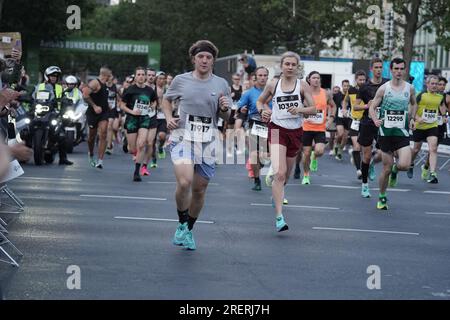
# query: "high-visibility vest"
{"type": "Point", "coordinates": [58, 92]}
{"type": "Point", "coordinates": [76, 95]}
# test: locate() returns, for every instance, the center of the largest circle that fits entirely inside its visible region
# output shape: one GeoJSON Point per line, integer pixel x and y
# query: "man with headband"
{"type": "Point", "coordinates": [204, 98]}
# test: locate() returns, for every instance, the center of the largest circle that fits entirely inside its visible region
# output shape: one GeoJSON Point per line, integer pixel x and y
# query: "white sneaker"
{"type": "Point", "coordinates": [331, 153]}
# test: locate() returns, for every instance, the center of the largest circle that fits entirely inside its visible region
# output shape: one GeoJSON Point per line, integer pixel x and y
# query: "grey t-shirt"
{"type": "Point", "coordinates": [199, 98]}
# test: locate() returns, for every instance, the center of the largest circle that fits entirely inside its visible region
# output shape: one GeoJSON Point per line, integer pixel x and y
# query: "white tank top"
{"type": "Point", "coordinates": [281, 102]}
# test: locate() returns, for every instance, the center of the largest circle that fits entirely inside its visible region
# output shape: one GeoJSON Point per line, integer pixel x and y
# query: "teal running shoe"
{"type": "Point", "coordinates": [281, 224]}
{"type": "Point", "coordinates": [365, 193]}
{"type": "Point", "coordinates": [180, 234]}
{"type": "Point", "coordinates": [189, 242]}
{"type": "Point", "coordinates": [372, 174]}
{"type": "Point", "coordinates": [92, 162]}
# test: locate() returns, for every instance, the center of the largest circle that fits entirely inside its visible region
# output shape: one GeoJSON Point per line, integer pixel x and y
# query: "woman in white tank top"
{"type": "Point", "coordinates": [285, 126]}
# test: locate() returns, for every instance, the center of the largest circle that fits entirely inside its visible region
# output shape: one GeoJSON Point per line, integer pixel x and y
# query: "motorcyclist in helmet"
{"type": "Point", "coordinates": [52, 75]}
{"type": "Point", "coordinates": [72, 92]}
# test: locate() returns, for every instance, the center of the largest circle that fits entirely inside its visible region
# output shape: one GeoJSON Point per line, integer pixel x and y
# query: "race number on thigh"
{"type": "Point", "coordinates": [394, 119]}
{"type": "Point", "coordinates": [198, 129]}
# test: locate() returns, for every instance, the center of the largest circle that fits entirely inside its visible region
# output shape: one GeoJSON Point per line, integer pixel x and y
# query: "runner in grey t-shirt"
{"type": "Point", "coordinates": [203, 98]}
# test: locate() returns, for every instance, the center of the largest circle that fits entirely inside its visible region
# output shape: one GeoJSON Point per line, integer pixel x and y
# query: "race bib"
{"type": "Point", "coordinates": [160, 115]}
{"type": "Point", "coordinates": [260, 130]}
{"type": "Point", "coordinates": [440, 120]}
{"type": "Point", "coordinates": [112, 103]}
{"type": "Point", "coordinates": [143, 107]}
{"type": "Point", "coordinates": [394, 119]}
{"type": "Point", "coordinates": [285, 103]}
{"type": "Point", "coordinates": [429, 116]}
{"type": "Point", "coordinates": [317, 118]}
{"type": "Point", "coordinates": [355, 124]}
{"type": "Point", "coordinates": [340, 113]}
{"type": "Point", "coordinates": [198, 129]}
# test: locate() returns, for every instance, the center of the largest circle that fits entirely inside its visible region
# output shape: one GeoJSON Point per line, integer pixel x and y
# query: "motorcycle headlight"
{"type": "Point", "coordinates": [27, 121]}
{"type": "Point", "coordinates": [54, 122]}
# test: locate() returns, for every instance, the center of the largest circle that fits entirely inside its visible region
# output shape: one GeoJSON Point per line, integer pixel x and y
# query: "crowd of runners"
{"type": "Point", "coordinates": [278, 121]}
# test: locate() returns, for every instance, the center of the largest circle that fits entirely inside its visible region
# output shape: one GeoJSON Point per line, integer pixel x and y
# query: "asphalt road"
{"type": "Point", "coordinates": [119, 235]}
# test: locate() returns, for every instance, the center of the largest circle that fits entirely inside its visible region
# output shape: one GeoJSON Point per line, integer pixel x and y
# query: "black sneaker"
{"type": "Point", "coordinates": [297, 174]}
{"type": "Point", "coordinates": [257, 186]}
{"type": "Point", "coordinates": [65, 162]}
{"type": "Point", "coordinates": [137, 177]}
{"type": "Point", "coordinates": [410, 172]}
{"type": "Point", "coordinates": [433, 178]}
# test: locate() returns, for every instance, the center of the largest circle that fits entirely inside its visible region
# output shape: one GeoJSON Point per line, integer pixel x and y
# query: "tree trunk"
{"type": "Point", "coordinates": [1, 10]}
{"type": "Point", "coordinates": [410, 33]}
{"type": "Point", "coordinates": [317, 40]}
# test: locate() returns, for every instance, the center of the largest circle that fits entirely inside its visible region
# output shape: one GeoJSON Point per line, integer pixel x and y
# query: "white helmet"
{"type": "Point", "coordinates": [52, 70]}
{"type": "Point", "coordinates": [71, 80]}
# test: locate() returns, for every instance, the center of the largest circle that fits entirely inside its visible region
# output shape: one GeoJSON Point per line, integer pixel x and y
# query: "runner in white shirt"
{"type": "Point", "coordinates": [285, 126]}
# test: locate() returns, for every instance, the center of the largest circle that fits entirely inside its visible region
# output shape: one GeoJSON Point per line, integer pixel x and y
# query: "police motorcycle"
{"type": "Point", "coordinates": [45, 128]}
{"type": "Point", "coordinates": [73, 122]}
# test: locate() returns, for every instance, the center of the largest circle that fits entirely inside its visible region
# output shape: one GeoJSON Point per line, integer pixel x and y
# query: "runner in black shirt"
{"type": "Point", "coordinates": [368, 132]}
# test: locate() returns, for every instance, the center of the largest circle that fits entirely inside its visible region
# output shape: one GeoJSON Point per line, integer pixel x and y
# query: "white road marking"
{"type": "Point", "coordinates": [121, 197]}
{"type": "Point", "coordinates": [174, 182]}
{"type": "Point", "coordinates": [437, 192]}
{"type": "Point", "coordinates": [52, 179]}
{"type": "Point", "coordinates": [369, 231]}
{"type": "Point", "coordinates": [156, 219]}
{"type": "Point", "coordinates": [438, 213]}
{"type": "Point", "coordinates": [339, 187]}
{"type": "Point", "coordinates": [293, 206]}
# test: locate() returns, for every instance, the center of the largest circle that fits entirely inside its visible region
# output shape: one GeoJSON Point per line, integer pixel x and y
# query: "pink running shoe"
{"type": "Point", "coordinates": [144, 171]}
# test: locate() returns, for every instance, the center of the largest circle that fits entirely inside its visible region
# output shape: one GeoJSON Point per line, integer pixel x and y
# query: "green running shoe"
{"type": "Point", "coordinates": [189, 242]}
{"type": "Point", "coordinates": [162, 154]}
{"type": "Point", "coordinates": [365, 192]}
{"type": "Point", "coordinates": [306, 180]}
{"type": "Point", "coordinates": [425, 173]}
{"type": "Point", "coordinates": [393, 177]}
{"type": "Point", "coordinates": [382, 203]}
{"type": "Point", "coordinates": [180, 234]}
{"type": "Point", "coordinates": [153, 164]}
{"type": "Point", "coordinates": [281, 224]}
{"type": "Point", "coordinates": [372, 174]}
{"type": "Point", "coordinates": [313, 165]}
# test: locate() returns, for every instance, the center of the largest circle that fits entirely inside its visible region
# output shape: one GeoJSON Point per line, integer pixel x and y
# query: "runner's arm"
{"type": "Point", "coordinates": [92, 87]}
{"type": "Point", "coordinates": [331, 106]}
{"type": "Point", "coordinates": [309, 107]}
{"type": "Point", "coordinates": [413, 105]}
{"type": "Point", "coordinates": [373, 105]}
{"type": "Point", "coordinates": [358, 106]}
{"type": "Point", "coordinates": [265, 96]}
